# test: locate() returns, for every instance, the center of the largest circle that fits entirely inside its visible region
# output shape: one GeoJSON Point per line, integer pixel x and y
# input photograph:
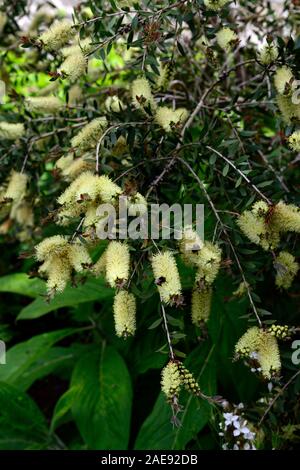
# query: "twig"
{"type": "Point", "coordinates": [277, 396]}
{"type": "Point", "coordinates": [245, 177]}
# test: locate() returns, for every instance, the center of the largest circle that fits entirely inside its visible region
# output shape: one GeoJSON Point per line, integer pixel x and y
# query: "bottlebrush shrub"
{"type": "Point", "coordinates": [140, 103]}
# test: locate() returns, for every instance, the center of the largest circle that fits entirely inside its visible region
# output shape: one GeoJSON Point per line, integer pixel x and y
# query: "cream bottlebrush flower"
{"type": "Point", "coordinates": [294, 141]}
{"type": "Point", "coordinates": [67, 214]}
{"type": "Point", "coordinates": [57, 35]}
{"type": "Point", "coordinates": [201, 305]}
{"type": "Point", "coordinates": [108, 190]}
{"type": "Point", "coordinates": [208, 263]}
{"type": "Point", "coordinates": [41, 17]}
{"type": "Point", "coordinates": [215, 5]}
{"type": "Point", "coordinates": [75, 95]}
{"type": "Point", "coordinates": [87, 187]}
{"type": "Point", "coordinates": [79, 47]}
{"type": "Point", "coordinates": [114, 104]}
{"type": "Point", "coordinates": [124, 314]}
{"type": "Point", "coordinates": [226, 39]}
{"type": "Point", "coordinates": [74, 66]}
{"type": "Point", "coordinates": [78, 166]}
{"type": "Point", "coordinates": [56, 267]}
{"type": "Point", "coordinates": [190, 245]}
{"type": "Point", "coordinates": [137, 205]}
{"type": "Point", "coordinates": [142, 95]}
{"type": "Point", "coordinates": [286, 268]}
{"type": "Point", "coordinates": [22, 213]}
{"type": "Point", "coordinates": [89, 135]}
{"type": "Point", "coordinates": [59, 274]}
{"type": "Point", "coordinates": [167, 118]}
{"type": "Point", "coordinates": [249, 342]}
{"type": "Point", "coordinates": [60, 257]}
{"type": "Point", "coordinates": [79, 256]}
{"type": "Point", "coordinates": [268, 54]}
{"type": "Point", "coordinates": [286, 218]}
{"type": "Point", "coordinates": [3, 20]}
{"type": "Point", "coordinates": [257, 231]}
{"type": "Point", "coordinates": [170, 381]}
{"type": "Point", "coordinates": [90, 216]}
{"type": "Point", "coordinates": [44, 104]}
{"type": "Point", "coordinates": [64, 162]}
{"type": "Point", "coordinates": [268, 355]}
{"type": "Point", "coordinates": [11, 131]}
{"type": "Point", "coordinates": [99, 267]}
{"type": "Point", "coordinates": [16, 188]}
{"type": "Point", "coordinates": [283, 80]}
{"type": "Point", "coordinates": [117, 264]}
{"type": "Point", "coordinates": [260, 209]}
{"type": "Point", "coordinates": [56, 245]}
{"type": "Point", "coordinates": [83, 188]}
{"type": "Point", "coordinates": [167, 277]}
{"type": "Point", "coordinates": [165, 75]}
{"type": "Point", "coordinates": [290, 111]}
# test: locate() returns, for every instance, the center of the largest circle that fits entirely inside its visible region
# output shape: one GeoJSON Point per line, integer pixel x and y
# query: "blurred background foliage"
{"type": "Point", "coordinates": [69, 382]}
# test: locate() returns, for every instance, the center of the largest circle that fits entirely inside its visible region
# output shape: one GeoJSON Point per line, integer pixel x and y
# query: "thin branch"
{"type": "Point", "coordinates": [245, 177]}
{"type": "Point", "coordinates": [277, 396]}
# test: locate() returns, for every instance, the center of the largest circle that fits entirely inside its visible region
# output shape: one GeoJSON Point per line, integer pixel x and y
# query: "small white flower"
{"type": "Point", "coordinates": [270, 386]}
{"type": "Point", "coordinates": [247, 446]}
{"type": "Point", "coordinates": [236, 447]}
{"type": "Point", "coordinates": [249, 436]}
{"type": "Point", "coordinates": [253, 355]}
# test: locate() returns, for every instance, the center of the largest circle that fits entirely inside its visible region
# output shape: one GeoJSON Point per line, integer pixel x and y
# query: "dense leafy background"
{"type": "Point", "coordinates": [69, 382]}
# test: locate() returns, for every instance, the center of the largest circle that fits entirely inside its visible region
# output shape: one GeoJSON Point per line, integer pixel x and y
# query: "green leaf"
{"type": "Point", "coordinates": [93, 289]}
{"type": "Point", "coordinates": [157, 432]}
{"type": "Point", "coordinates": [53, 360]}
{"type": "Point", "coordinates": [20, 283]}
{"type": "Point", "coordinates": [102, 404]}
{"type": "Point", "coordinates": [63, 407]}
{"type": "Point", "coordinates": [22, 424]}
{"type": "Point", "coordinates": [22, 359]}
{"type": "Point", "coordinates": [225, 170]}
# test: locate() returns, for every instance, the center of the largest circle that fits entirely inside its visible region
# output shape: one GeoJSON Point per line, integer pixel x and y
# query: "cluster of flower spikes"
{"type": "Point", "coordinates": [260, 348]}
{"type": "Point", "coordinates": [82, 198]}
{"type": "Point", "coordinates": [286, 85]}
{"type": "Point", "coordinates": [165, 117]}
{"type": "Point", "coordinates": [59, 258]}
{"type": "Point", "coordinates": [15, 207]}
{"type": "Point", "coordinates": [205, 257]}
{"type": "Point", "coordinates": [264, 225]}
{"type": "Point", "coordinates": [215, 5]}
{"type": "Point", "coordinates": [56, 39]}
{"type": "Point", "coordinates": [174, 376]}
